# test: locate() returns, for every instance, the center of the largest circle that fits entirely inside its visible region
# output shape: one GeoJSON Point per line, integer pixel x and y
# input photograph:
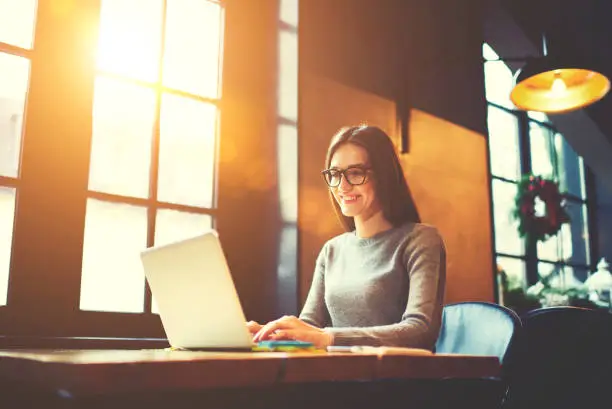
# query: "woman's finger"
{"type": "Point", "coordinates": [254, 327]}
{"type": "Point", "coordinates": [286, 322]}
{"type": "Point", "coordinates": [281, 334]}
{"type": "Point", "coordinates": [271, 327]}
{"type": "Point", "coordinates": [264, 331]}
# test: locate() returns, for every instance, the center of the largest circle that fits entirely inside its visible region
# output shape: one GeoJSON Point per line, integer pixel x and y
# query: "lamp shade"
{"type": "Point", "coordinates": [552, 86]}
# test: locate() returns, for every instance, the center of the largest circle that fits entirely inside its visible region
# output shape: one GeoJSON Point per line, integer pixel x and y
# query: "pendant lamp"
{"type": "Point", "coordinates": [552, 85]}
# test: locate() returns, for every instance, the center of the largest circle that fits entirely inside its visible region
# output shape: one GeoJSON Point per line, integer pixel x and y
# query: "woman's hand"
{"type": "Point", "coordinates": [254, 327]}
{"type": "Point", "coordinates": [289, 327]}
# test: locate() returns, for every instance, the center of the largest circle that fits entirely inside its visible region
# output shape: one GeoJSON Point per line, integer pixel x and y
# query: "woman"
{"type": "Point", "coordinates": [382, 282]}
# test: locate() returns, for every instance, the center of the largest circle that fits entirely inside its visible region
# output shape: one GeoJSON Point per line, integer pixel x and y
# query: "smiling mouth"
{"type": "Point", "coordinates": [349, 199]}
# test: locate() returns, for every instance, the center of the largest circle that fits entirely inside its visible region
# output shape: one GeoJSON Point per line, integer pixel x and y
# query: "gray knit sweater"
{"type": "Point", "coordinates": [385, 290]}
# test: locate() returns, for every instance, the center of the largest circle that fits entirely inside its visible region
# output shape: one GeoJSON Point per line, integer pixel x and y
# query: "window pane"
{"type": "Point", "coordinates": [507, 239]}
{"type": "Point", "coordinates": [499, 80]}
{"type": "Point", "coordinates": [173, 225]}
{"type": "Point", "coordinates": [570, 167]}
{"type": "Point", "coordinates": [7, 213]}
{"type": "Point", "coordinates": [288, 11]}
{"type": "Point", "coordinates": [503, 143]}
{"type": "Point", "coordinates": [488, 53]}
{"type": "Point", "coordinates": [129, 41]}
{"type": "Point", "coordinates": [14, 75]}
{"type": "Point", "coordinates": [561, 276]}
{"type": "Point", "coordinates": [542, 161]}
{"type": "Point", "coordinates": [187, 151]}
{"type": "Point", "coordinates": [123, 121]}
{"type": "Point", "coordinates": [17, 19]}
{"type": "Point", "coordinates": [288, 75]}
{"type": "Point", "coordinates": [538, 116]}
{"type": "Point", "coordinates": [192, 49]}
{"type": "Point", "coordinates": [571, 243]}
{"type": "Point", "coordinates": [288, 174]}
{"type": "Point", "coordinates": [112, 277]}
{"type": "Point", "coordinates": [514, 269]}
{"type": "Point", "coordinates": [575, 235]}
{"type": "Point", "coordinates": [551, 249]}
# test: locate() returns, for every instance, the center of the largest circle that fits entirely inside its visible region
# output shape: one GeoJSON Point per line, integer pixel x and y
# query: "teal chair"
{"type": "Point", "coordinates": [477, 328]}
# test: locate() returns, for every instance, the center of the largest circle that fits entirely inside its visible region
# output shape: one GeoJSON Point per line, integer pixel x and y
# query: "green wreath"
{"type": "Point", "coordinates": [536, 227]}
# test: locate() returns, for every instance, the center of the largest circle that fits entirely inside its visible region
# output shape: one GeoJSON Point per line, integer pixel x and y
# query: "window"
{"type": "Point", "coordinates": [519, 143]}
{"type": "Point", "coordinates": [287, 142]}
{"type": "Point", "coordinates": [119, 152]}
{"type": "Point", "coordinates": [16, 42]}
{"type": "Point", "coordinates": [153, 151]}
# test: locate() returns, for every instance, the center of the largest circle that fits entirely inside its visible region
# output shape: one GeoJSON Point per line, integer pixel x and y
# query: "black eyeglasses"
{"type": "Point", "coordinates": [354, 175]}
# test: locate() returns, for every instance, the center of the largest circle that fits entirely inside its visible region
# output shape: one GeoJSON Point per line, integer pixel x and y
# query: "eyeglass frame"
{"type": "Point", "coordinates": [342, 173]}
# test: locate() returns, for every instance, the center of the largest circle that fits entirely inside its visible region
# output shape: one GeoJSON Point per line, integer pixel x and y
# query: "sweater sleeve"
{"type": "Point", "coordinates": [425, 261]}
{"type": "Point", "coordinates": [315, 310]}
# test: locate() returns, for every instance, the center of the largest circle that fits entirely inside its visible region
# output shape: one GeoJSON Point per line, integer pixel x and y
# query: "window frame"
{"type": "Point", "coordinates": [151, 203]}
{"type": "Point", "coordinates": [15, 182]}
{"type": "Point", "coordinates": [52, 187]}
{"type": "Point", "coordinates": [47, 241]}
{"type": "Point", "coordinates": [287, 157]}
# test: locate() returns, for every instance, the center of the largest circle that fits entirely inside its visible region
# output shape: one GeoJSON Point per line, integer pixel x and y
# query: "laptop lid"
{"type": "Point", "coordinates": [195, 294]}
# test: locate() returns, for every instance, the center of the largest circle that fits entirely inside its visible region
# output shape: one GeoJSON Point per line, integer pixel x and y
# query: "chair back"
{"type": "Point", "coordinates": [563, 359]}
{"type": "Point", "coordinates": [477, 328]}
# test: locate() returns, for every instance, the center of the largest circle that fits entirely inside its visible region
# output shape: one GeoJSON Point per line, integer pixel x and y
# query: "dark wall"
{"type": "Point", "coordinates": [427, 52]}
{"type": "Point", "coordinates": [367, 60]}
{"type": "Point", "coordinates": [248, 217]}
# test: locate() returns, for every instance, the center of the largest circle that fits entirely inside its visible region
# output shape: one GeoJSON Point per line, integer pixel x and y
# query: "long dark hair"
{"type": "Point", "coordinates": [391, 187]}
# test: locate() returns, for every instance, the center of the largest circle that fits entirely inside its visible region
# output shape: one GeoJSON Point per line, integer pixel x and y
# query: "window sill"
{"type": "Point", "coordinates": [23, 342]}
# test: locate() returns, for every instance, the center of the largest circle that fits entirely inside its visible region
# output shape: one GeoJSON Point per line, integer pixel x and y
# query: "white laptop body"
{"type": "Point", "coordinates": [195, 294]}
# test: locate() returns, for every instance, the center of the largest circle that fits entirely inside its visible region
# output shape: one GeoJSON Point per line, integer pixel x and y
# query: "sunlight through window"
{"type": "Point", "coordinates": [287, 150]}
{"type": "Point", "coordinates": [541, 158]}
{"type": "Point", "coordinates": [155, 121]}
{"type": "Point", "coordinates": [124, 118]}
{"type": "Point", "coordinates": [7, 213]}
{"type": "Point", "coordinates": [192, 47]}
{"type": "Point", "coordinates": [499, 80]}
{"type": "Point", "coordinates": [507, 240]}
{"type": "Point", "coordinates": [129, 41]}
{"type": "Point", "coordinates": [17, 18]}
{"type": "Point", "coordinates": [112, 278]}
{"type": "Point", "coordinates": [14, 77]}
{"type": "Point", "coordinates": [503, 143]}
{"type": "Point", "coordinates": [187, 151]}
{"type": "Point", "coordinates": [14, 72]}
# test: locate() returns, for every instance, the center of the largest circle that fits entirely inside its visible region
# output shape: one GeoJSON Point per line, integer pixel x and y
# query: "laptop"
{"type": "Point", "coordinates": [195, 295]}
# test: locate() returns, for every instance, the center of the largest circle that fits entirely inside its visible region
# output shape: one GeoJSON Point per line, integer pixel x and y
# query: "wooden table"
{"type": "Point", "coordinates": [83, 375]}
